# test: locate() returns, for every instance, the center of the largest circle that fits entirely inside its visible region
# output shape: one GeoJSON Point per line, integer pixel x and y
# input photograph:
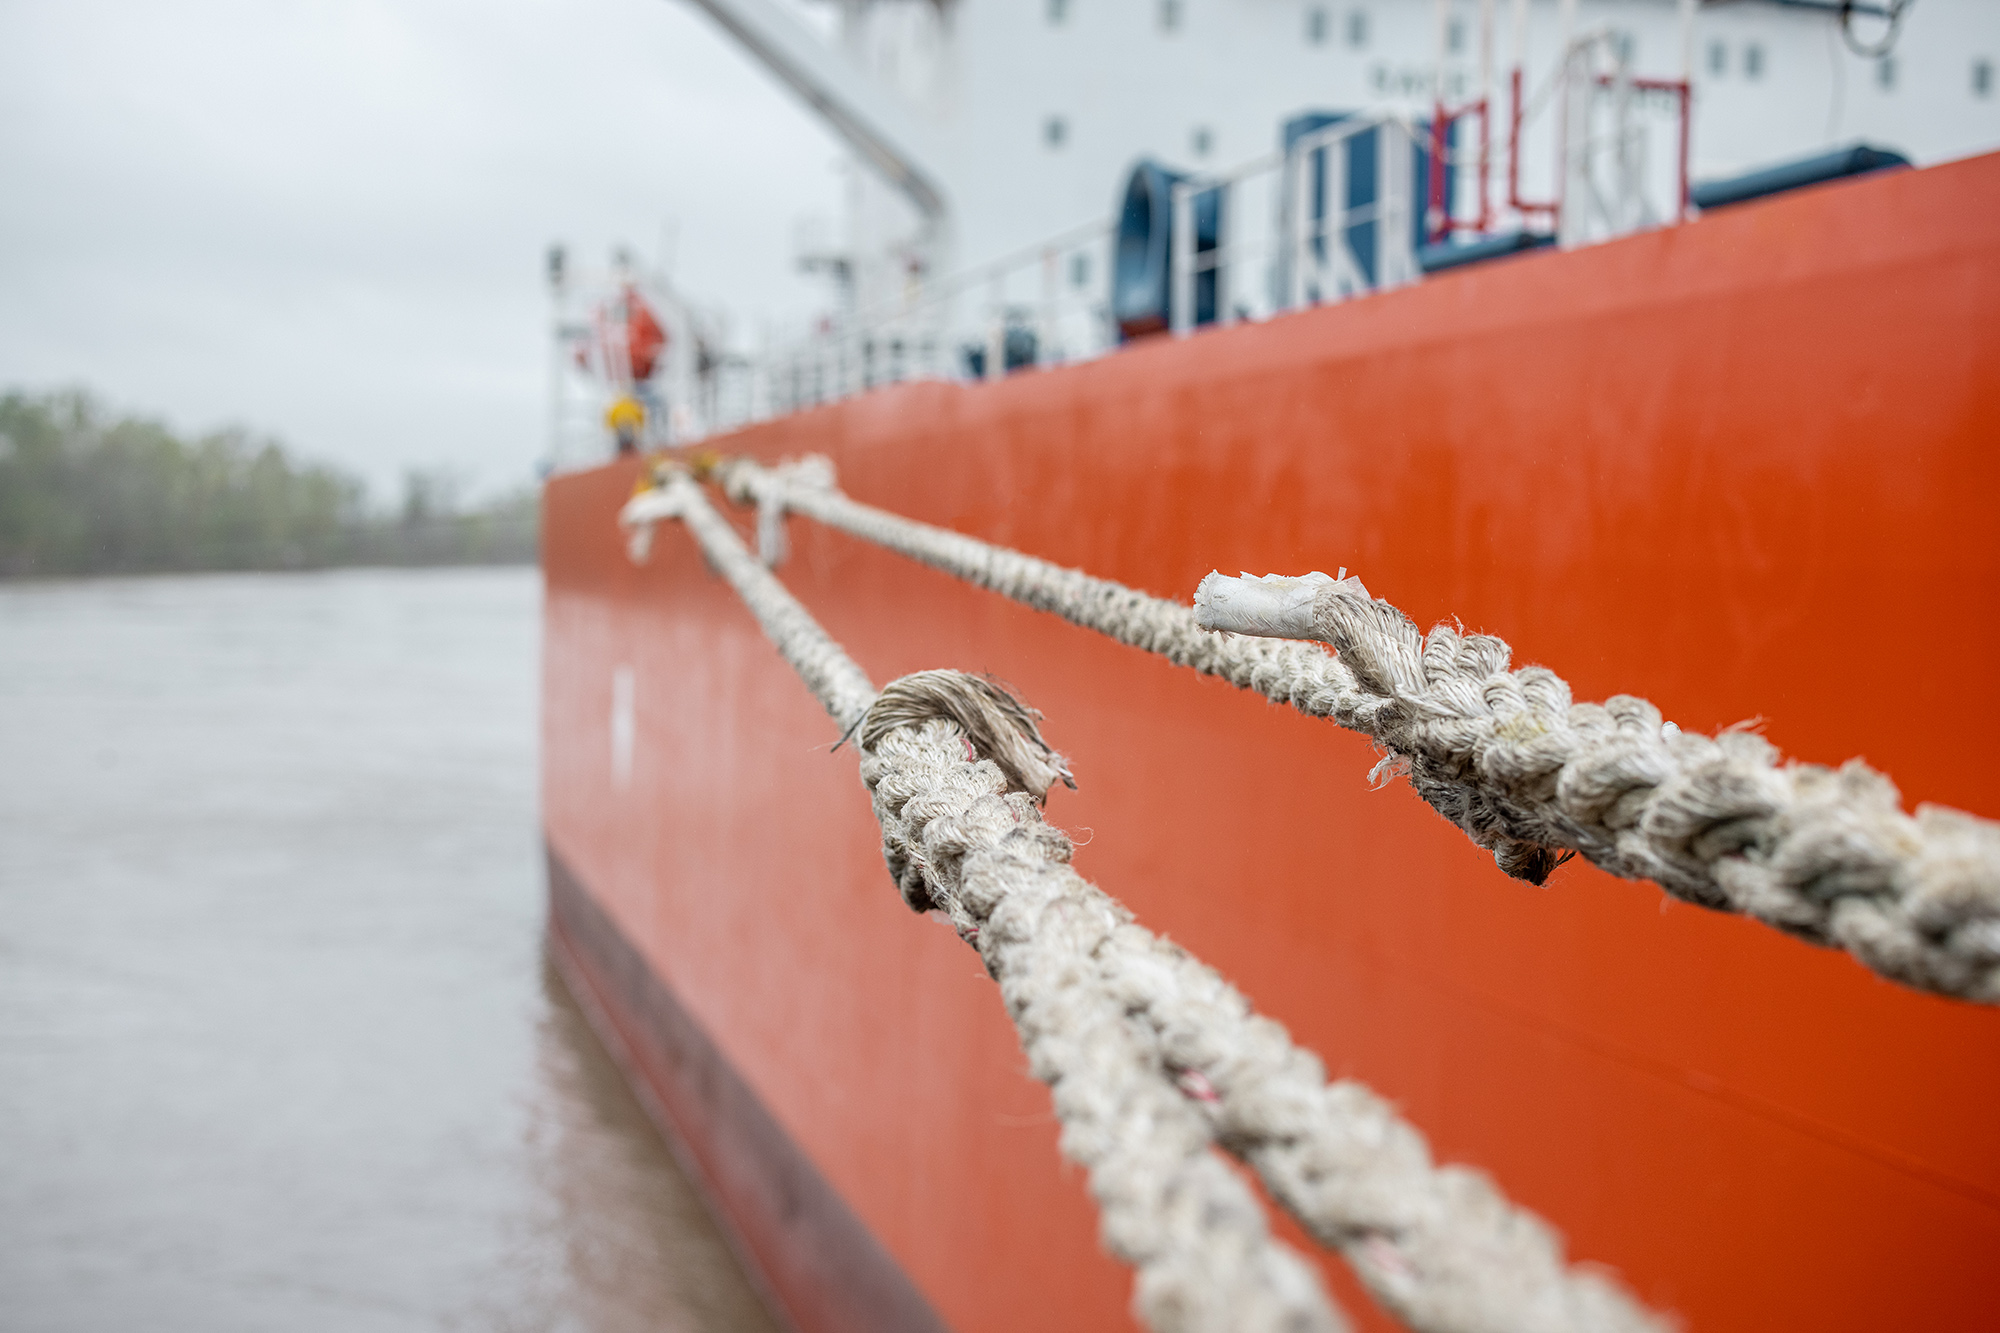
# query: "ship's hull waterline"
{"type": "Point", "coordinates": [1744, 468]}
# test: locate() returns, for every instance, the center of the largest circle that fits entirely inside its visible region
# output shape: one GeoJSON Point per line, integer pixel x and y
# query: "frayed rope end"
{"type": "Point", "coordinates": [999, 726]}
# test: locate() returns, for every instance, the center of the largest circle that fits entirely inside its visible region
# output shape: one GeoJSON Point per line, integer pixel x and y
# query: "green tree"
{"type": "Point", "coordinates": [83, 492]}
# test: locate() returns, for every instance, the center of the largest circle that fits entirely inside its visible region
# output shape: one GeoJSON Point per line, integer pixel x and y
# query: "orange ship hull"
{"type": "Point", "coordinates": [1745, 468]}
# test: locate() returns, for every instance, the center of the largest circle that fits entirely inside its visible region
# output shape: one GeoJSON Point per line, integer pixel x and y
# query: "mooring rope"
{"type": "Point", "coordinates": [841, 687]}
{"type": "Point", "coordinates": [1203, 1252]}
{"type": "Point", "coordinates": [1151, 1057]}
{"type": "Point", "coordinates": [1506, 755]}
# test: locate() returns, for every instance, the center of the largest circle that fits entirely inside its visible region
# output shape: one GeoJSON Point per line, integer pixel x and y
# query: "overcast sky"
{"type": "Point", "coordinates": [326, 221]}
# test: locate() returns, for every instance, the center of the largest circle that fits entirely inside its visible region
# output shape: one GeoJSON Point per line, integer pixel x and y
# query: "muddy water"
{"type": "Point", "coordinates": [278, 1048]}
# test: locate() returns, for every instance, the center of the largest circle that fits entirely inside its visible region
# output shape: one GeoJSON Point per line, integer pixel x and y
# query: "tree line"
{"type": "Point", "coordinates": [85, 491]}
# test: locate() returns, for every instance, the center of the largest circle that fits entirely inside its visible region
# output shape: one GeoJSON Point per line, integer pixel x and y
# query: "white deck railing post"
{"type": "Point", "coordinates": [1180, 260]}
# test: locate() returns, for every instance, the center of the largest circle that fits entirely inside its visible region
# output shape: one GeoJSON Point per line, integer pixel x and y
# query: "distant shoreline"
{"type": "Point", "coordinates": [461, 540]}
{"type": "Point", "coordinates": [85, 492]}
{"type": "Point", "coordinates": [16, 580]}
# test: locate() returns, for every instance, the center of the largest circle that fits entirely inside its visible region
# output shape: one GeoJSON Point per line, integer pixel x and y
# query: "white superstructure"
{"type": "Point", "coordinates": [992, 138]}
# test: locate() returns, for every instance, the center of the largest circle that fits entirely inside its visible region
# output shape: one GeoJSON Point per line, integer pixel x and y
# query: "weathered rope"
{"type": "Point", "coordinates": [841, 687]}
{"type": "Point", "coordinates": [960, 836]}
{"type": "Point", "coordinates": [1827, 855]}
{"type": "Point", "coordinates": [1151, 1056]}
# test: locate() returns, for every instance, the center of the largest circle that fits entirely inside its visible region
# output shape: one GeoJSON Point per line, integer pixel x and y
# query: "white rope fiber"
{"type": "Point", "coordinates": [1826, 855]}
{"type": "Point", "coordinates": [841, 687]}
{"type": "Point", "coordinates": [1203, 1252]}
{"type": "Point", "coordinates": [1151, 1056]}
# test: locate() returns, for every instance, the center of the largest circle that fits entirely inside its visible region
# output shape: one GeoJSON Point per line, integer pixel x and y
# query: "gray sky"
{"type": "Point", "coordinates": [327, 220]}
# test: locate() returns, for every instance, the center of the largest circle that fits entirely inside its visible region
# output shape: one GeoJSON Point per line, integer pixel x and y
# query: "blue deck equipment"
{"type": "Point", "coordinates": [1851, 161]}
{"type": "Point", "coordinates": [1455, 254]}
{"type": "Point", "coordinates": [1142, 295]}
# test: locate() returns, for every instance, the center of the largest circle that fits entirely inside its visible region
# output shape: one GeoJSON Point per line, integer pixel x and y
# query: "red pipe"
{"type": "Point", "coordinates": [1514, 199]}
{"type": "Point", "coordinates": [1683, 92]}
{"type": "Point", "coordinates": [1437, 213]}
{"type": "Point", "coordinates": [1486, 161]}
{"type": "Point", "coordinates": [1438, 222]}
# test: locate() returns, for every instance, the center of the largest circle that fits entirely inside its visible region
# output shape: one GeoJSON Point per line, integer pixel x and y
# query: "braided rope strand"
{"type": "Point", "coordinates": [1144, 1046]}
{"type": "Point", "coordinates": [1529, 775]}
{"type": "Point", "coordinates": [960, 841]}
{"type": "Point", "coordinates": [1824, 854]}
{"type": "Point", "coordinates": [842, 687]}
{"type": "Point", "coordinates": [1204, 1257]}
{"type": "Point", "coordinates": [1439, 1247]}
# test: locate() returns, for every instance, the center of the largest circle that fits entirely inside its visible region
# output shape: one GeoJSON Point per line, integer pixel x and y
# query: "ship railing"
{"type": "Point", "coordinates": [1296, 220]}
{"type": "Point", "coordinates": [1599, 139]}
{"type": "Point", "coordinates": [1326, 256]}
{"type": "Point", "coordinates": [1362, 204]}
{"type": "Point", "coordinates": [1288, 238]}
{"type": "Point", "coordinates": [1044, 304]}
{"type": "Point", "coordinates": [1337, 214]}
{"type": "Point", "coordinates": [1604, 142]}
{"type": "Point", "coordinates": [1343, 210]}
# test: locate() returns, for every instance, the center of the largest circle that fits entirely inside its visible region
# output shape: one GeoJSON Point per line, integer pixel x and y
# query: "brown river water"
{"type": "Point", "coordinates": [278, 1045]}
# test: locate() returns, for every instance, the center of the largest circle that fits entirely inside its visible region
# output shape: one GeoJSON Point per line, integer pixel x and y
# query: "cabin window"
{"type": "Point", "coordinates": [1079, 270]}
{"type": "Point", "coordinates": [1201, 140]}
{"type": "Point", "coordinates": [1316, 26]}
{"type": "Point", "coordinates": [1058, 12]}
{"type": "Point", "coordinates": [1885, 74]}
{"type": "Point", "coordinates": [1454, 36]}
{"type": "Point", "coordinates": [1982, 78]}
{"type": "Point", "coordinates": [1753, 61]}
{"type": "Point", "coordinates": [1055, 130]}
{"type": "Point", "coordinates": [1357, 28]}
{"type": "Point", "coordinates": [1718, 58]}
{"type": "Point", "coordinates": [1170, 15]}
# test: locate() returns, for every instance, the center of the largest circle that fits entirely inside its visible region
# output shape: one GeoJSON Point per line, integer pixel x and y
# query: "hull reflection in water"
{"type": "Point", "coordinates": [278, 1048]}
{"type": "Point", "coordinates": [638, 1246]}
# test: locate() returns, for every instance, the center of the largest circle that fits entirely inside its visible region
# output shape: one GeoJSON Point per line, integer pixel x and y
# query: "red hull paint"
{"type": "Point", "coordinates": [1745, 468]}
{"type": "Point", "coordinates": [818, 1262]}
